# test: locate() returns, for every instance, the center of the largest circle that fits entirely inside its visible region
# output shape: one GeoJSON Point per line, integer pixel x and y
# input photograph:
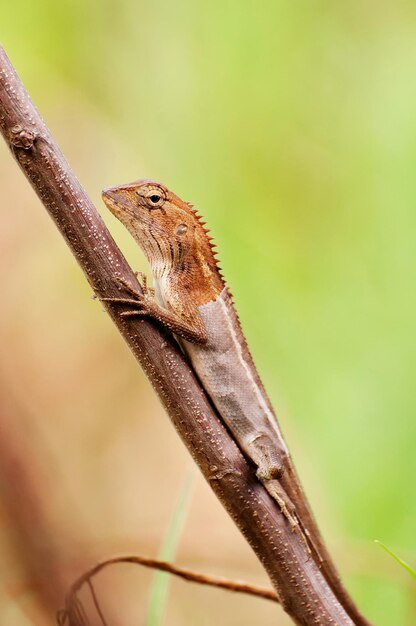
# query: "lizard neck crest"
{"type": "Point", "coordinates": [173, 237]}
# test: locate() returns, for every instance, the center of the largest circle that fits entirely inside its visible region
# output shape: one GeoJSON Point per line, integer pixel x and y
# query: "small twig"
{"type": "Point", "coordinates": [96, 603]}
{"type": "Point", "coordinates": [183, 572]}
{"type": "Point", "coordinates": [163, 566]}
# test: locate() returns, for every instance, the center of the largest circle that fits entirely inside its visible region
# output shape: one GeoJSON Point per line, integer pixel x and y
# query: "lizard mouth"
{"type": "Point", "coordinates": [114, 200]}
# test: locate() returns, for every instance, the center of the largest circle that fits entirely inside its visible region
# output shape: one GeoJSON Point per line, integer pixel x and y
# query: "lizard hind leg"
{"type": "Point", "coordinates": [286, 506]}
{"type": "Point", "coordinates": [269, 459]}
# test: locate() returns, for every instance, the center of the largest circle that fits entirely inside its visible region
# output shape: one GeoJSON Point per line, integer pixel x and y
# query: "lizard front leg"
{"type": "Point", "coordinates": [146, 306]}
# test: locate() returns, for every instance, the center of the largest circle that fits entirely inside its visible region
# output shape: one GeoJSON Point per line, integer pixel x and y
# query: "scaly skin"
{"type": "Point", "coordinates": [194, 303]}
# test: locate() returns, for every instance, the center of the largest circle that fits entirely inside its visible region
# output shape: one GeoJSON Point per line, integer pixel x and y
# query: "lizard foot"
{"type": "Point", "coordinates": [142, 280]}
{"type": "Point", "coordinates": [288, 511]}
{"type": "Point", "coordinates": [141, 299]}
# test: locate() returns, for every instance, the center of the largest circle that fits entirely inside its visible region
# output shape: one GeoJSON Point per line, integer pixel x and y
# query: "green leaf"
{"type": "Point", "coordinates": [400, 561]}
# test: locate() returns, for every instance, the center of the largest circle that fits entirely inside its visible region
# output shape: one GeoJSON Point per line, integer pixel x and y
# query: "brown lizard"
{"type": "Point", "coordinates": [193, 301]}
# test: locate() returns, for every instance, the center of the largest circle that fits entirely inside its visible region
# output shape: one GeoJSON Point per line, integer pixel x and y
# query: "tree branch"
{"type": "Point", "coordinates": [301, 587]}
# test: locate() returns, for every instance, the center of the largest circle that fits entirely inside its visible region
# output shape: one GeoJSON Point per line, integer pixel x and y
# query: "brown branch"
{"type": "Point", "coordinates": [71, 600]}
{"type": "Point", "coordinates": [303, 590]}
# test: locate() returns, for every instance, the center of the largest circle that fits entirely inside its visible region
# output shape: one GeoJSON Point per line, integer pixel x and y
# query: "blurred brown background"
{"type": "Point", "coordinates": [291, 126]}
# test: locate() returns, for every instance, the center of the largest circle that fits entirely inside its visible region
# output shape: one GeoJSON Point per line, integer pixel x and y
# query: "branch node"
{"type": "Point", "coordinates": [216, 474]}
{"type": "Point", "coordinates": [21, 137]}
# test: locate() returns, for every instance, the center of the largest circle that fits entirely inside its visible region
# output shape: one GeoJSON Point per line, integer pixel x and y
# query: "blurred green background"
{"type": "Point", "coordinates": [292, 127]}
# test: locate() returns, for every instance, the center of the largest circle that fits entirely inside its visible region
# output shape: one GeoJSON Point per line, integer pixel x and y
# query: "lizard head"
{"type": "Point", "coordinates": [170, 233]}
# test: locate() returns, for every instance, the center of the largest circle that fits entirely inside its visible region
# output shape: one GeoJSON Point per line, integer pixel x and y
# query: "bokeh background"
{"type": "Point", "coordinates": [292, 126]}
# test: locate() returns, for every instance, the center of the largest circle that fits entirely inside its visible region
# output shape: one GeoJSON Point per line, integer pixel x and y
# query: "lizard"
{"type": "Point", "coordinates": [192, 300]}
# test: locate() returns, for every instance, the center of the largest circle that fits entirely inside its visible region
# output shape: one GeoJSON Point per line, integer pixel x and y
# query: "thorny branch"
{"type": "Point", "coordinates": [303, 590]}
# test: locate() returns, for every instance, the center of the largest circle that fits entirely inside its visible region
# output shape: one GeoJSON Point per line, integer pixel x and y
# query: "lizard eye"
{"type": "Point", "coordinates": [181, 229]}
{"type": "Point", "coordinates": [155, 199]}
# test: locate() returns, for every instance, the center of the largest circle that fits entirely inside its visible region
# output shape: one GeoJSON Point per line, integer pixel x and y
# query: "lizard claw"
{"type": "Point", "coordinates": [123, 283]}
{"type": "Point", "coordinates": [141, 279]}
